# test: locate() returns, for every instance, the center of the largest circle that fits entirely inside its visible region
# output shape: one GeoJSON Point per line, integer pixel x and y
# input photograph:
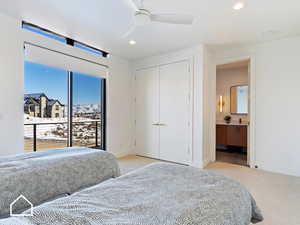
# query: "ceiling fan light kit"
{"type": "Point", "coordinates": [144, 17]}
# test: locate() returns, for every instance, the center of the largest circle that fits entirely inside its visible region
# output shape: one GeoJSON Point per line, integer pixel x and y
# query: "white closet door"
{"type": "Point", "coordinates": [147, 112]}
{"type": "Point", "coordinates": [175, 112]}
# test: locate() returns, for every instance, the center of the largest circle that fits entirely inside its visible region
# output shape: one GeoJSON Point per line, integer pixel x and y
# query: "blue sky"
{"type": "Point", "coordinates": [54, 82]}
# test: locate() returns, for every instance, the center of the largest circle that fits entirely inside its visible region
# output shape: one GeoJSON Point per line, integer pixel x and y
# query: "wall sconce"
{"type": "Point", "coordinates": [221, 103]}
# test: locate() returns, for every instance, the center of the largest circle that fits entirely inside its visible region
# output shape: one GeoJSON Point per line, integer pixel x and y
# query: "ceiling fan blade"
{"type": "Point", "coordinates": [130, 31]}
{"type": "Point", "coordinates": [132, 4]}
{"type": "Point", "coordinates": [173, 18]}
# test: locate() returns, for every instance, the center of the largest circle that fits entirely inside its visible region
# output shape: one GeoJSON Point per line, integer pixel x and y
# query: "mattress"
{"type": "Point", "coordinates": [159, 194]}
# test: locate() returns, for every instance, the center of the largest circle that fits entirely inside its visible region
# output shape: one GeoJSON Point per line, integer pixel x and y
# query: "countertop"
{"type": "Point", "coordinates": [233, 123]}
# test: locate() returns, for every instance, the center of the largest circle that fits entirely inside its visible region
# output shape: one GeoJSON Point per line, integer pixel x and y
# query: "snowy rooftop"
{"type": "Point", "coordinates": [35, 95]}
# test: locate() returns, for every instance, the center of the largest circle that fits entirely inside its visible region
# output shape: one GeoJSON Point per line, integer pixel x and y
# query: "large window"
{"type": "Point", "coordinates": [62, 108]}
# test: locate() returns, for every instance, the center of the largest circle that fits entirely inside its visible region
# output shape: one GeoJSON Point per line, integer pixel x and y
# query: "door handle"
{"type": "Point", "coordinates": [162, 124]}
{"type": "Point", "coordinates": [159, 124]}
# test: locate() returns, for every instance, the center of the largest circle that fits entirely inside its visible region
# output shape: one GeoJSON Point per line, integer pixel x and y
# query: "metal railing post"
{"type": "Point", "coordinates": [34, 137]}
{"type": "Point", "coordinates": [96, 134]}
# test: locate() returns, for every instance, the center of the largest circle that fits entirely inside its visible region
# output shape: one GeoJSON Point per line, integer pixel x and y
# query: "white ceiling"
{"type": "Point", "coordinates": [101, 23]}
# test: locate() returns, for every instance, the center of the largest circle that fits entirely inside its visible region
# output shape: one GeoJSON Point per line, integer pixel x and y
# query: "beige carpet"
{"type": "Point", "coordinates": [277, 195]}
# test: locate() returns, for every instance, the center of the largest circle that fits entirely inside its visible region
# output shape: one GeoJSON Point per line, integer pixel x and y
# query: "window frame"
{"type": "Point", "coordinates": [103, 145]}
{"type": "Point", "coordinates": [41, 30]}
{"type": "Point", "coordinates": [68, 41]}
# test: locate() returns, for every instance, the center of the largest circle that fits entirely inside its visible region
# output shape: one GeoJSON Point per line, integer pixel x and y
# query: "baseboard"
{"type": "Point", "coordinates": [196, 165]}
{"type": "Point", "coordinates": [122, 154]}
{"type": "Point", "coordinates": [205, 163]}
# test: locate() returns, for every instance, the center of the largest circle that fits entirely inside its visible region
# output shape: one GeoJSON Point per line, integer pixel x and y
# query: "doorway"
{"type": "Point", "coordinates": [233, 112]}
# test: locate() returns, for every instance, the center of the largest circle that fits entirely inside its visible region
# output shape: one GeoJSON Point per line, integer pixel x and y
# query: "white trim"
{"type": "Point", "coordinates": [252, 85]}
{"type": "Point", "coordinates": [191, 108]}
{"type": "Point", "coordinates": [252, 135]}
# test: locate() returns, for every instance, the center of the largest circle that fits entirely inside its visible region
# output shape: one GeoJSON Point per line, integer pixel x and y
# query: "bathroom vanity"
{"type": "Point", "coordinates": [232, 134]}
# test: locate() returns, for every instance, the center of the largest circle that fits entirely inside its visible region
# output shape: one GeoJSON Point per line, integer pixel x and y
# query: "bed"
{"type": "Point", "coordinates": [159, 194]}
{"type": "Point", "coordinates": [51, 174]}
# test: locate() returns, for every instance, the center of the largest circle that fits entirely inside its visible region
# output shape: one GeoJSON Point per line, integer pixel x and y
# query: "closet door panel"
{"type": "Point", "coordinates": [175, 112]}
{"type": "Point", "coordinates": [147, 113]}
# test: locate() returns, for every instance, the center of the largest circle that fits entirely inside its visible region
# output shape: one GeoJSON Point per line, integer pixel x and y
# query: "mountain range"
{"type": "Point", "coordinates": [87, 108]}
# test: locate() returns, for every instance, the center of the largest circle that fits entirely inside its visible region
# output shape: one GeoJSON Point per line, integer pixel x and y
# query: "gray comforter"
{"type": "Point", "coordinates": [159, 194]}
{"type": "Point", "coordinates": [47, 175]}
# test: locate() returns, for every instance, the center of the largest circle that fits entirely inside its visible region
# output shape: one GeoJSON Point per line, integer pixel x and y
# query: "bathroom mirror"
{"type": "Point", "coordinates": [239, 99]}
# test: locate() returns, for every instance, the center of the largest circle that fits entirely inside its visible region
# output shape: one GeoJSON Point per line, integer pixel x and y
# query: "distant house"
{"type": "Point", "coordinates": [39, 105]}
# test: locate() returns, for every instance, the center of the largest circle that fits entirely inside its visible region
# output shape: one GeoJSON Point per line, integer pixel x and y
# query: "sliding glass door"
{"type": "Point", "coordinates": [62, 108]}
{"type": "Point", "coordinates": [86, 110]}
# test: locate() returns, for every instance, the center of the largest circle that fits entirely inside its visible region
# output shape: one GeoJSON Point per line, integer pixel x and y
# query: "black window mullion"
{"type": "Point", "coordinates": [70, 41]}
{"type": "Point", "coordinates": [70, 109]}
{"type": "Point", "coordinates": [103, 114]}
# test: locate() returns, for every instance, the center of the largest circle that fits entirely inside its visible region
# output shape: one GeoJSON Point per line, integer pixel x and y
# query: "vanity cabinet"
{"type": "Point", "coordinates": [235, 135]}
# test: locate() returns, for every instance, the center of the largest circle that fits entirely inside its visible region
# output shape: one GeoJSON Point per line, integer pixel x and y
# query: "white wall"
{"type": "Point", "coordinates": [11, 87]}
{"type": "Point", "coordinates": [226, 78]}
{"type": "Point", "coordinates": [120, 119]}
{"type": "Point", "coordinates": [277, 79]}
{"type": "Point", "coordinates": [278, 106]}
{"type": "Point", "coordinates": [209, 110]}
{"type": "Point", "coordinates": [196, 57]}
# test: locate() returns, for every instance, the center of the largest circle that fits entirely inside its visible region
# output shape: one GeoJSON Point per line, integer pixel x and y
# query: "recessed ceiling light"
{"type": "Point", "coordinates": [238, 6]}
{"type": "Point", "coordinates": [132, 42]}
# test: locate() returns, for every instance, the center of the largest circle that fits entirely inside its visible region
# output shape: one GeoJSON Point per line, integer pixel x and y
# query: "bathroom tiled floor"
{"type": "Point", "coordinates": [232, 157]}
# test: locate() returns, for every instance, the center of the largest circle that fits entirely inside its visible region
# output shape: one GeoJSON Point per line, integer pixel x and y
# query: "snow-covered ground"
{"type": "Point", "coordinates": [32, 120]}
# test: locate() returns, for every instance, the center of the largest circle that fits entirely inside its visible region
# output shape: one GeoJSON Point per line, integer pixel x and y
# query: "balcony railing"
{"type": "Point", "coordinates": [42, 136]}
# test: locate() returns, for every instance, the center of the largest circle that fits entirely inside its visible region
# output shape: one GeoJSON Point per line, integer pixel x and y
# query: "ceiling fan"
{"type": "Point", "coordinates": [144, 17]}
